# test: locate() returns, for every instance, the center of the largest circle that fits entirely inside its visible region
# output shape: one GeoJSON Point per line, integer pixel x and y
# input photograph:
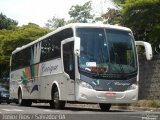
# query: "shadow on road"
{"type": "Point", "coordinates": [74, 108]}
{"type": "Point", "coordinates": [71, 107]}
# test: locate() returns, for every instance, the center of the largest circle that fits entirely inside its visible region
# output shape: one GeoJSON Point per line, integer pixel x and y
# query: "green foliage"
{"type": "Point", "coordinates": [54, 23]}
{"type": "Point", "coordinates": [80, 13]}
{"type": "Point", "coordinates": [7, 23]}
{"type": "Point", "coordinates": [119, 2]}
{"type": "Point", "coordinates": [147, 103]}
{"type": "Point", "coordinates": [4, 66]}
{"type": "Point", "coordinates": [11, 39]}
{"type": "Point", "coordinates": [110, 16]}
{"type": "Point", "coordinates": [143, 17]}
{"type": "Point", "coordinates": [154, 36]}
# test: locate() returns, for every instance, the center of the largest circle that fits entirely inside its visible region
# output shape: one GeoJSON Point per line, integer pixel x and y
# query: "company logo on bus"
{"type": "Point", "coordinates": [121, 84]}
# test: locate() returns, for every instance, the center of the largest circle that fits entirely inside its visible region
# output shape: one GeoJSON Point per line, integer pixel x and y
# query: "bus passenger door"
{"type": "Point", "coordinates": [69, 67]}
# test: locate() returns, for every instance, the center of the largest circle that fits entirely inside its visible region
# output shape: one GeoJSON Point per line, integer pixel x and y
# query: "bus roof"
{"type": "Point", "coordinates": [73, 26]}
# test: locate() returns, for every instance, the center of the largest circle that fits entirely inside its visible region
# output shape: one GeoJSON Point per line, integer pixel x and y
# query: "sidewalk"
{"type": "Point", "coordinates": [131, 108]}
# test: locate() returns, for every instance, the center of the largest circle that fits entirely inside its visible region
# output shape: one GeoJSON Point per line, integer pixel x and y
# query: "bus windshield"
{"type": "Point", "coordinates": [106, 51]}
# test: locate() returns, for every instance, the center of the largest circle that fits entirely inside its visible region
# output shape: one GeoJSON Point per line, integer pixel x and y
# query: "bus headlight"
{"type": "Point", "coordinates": [84, 84]}
{"type": "Point", "coordinates": [132, 87]}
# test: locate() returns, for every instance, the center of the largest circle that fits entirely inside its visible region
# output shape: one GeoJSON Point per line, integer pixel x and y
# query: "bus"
{"type": "Point", "coordinates": [78, 63]}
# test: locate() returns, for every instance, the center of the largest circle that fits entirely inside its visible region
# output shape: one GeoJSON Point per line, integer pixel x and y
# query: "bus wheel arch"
{"type": "Point", "coordinates": [21, 101]}
{"type": "Point", "coordinates": [55, 102]}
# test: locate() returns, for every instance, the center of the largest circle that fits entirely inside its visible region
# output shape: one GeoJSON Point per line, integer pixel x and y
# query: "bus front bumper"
{"type": "Point", "coordinates": [93, 96]}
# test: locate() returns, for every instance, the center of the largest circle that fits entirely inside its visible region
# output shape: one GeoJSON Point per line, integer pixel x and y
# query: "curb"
{"type": "Point", "coordinates": [130, 108]}
{"type": "Point", "coordinates": [133, 108]}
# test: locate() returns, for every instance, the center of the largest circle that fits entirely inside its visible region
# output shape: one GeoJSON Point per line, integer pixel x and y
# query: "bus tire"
{"type": "Point", "coordinates": [105, 107]}
{"type": "Point", "coordinates": [16, 102]}
{"type": "Point", "coordinates": [28, 103]}
{"type": "Point", "coordinates": [21, 102]}
{"type": "Point", "coordinates": [58, 104]}
{"type": "Point", "coordinates": [8, 102]}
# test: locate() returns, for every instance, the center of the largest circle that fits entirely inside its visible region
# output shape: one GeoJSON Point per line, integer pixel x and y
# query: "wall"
{"type": "Point", "coordinates": [149, 81]}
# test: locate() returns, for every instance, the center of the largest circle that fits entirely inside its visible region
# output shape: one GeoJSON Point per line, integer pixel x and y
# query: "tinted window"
{"type": "Point", "coordinates": [107, 51]}
{"type": "Point", "coordinates": [51, 46]}
{"type": "Point", "coordinates": [21, 59]}
{"type": "Point", "coordinates": [50, 49]}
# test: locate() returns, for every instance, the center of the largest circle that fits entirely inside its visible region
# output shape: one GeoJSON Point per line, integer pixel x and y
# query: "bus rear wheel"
{"type": "Point", "coordinates": [57, 104]}
{"type": "Point", "coordinates": [105, 107]}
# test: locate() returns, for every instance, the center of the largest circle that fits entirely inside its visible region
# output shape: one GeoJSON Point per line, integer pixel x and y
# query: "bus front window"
{"type": "Point", "coordinates": [106, 51]}
{"type": "Point", "coordinates": [122, 51]}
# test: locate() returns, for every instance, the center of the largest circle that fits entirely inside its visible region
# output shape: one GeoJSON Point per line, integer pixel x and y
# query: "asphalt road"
{"type": "Point", "coordinates": [44, 112]}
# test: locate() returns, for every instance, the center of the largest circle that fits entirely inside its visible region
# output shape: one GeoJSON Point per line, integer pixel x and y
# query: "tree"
{"type": "Point", "coordinates": [11, 39]}
{"type": "Point", "coordinates": [143, 17]}
{"type": "Point", "coordinates": [119, 2]}
{"type": "Point", "coordinates": [7, 23]}
{"type": "Point", "coordinates": [19, 37]}
{"type": "Point", "coordinates": [80, 13]}
{"type": "Point", "coordinates": [110, 16]}
{"type": "Point", "coordinates": [105, 11]}
{"type": "Point", "coordinates": [54, 23]}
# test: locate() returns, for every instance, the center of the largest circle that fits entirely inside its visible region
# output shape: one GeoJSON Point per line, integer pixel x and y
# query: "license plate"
{"type": "Point", "coordinates": [110, 94]}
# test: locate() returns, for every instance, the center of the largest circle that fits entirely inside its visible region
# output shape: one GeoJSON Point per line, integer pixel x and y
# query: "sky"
{"type": "Point", "coordinates": [40, 11]}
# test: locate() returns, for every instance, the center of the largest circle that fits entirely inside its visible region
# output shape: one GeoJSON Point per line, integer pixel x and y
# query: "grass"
{"type": "Point", "coordinates": [147, 103]}
{"type": "Point", "coordinates": [143, 103]}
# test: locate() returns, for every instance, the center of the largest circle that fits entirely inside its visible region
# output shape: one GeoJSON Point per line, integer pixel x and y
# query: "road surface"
{"type": "Point", "coordinates": [44, 112]}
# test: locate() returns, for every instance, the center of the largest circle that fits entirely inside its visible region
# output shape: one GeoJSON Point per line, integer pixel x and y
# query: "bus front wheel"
{"type": "Point", "coordinates": [105, 107]}
{"type": "Point", "coordinates": [57, 104]}
{"type": "Point", "coordinates": [23, 102]}
{"type": "Point", "coordinates": [20, 100]}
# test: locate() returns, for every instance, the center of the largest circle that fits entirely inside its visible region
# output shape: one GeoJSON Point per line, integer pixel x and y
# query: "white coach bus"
{"type": "Point", "coordinates": [86, 63]}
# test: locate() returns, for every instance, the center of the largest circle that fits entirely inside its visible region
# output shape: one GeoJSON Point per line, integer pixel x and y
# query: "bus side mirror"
{"type": "Point", "coordinates": [77, 46]}
{"type": "Point", "coordinates": [148, 49]}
